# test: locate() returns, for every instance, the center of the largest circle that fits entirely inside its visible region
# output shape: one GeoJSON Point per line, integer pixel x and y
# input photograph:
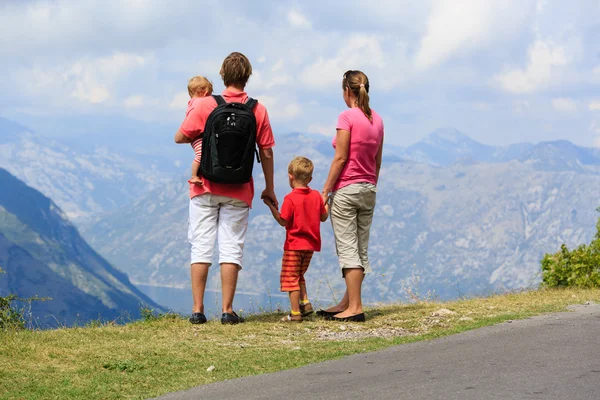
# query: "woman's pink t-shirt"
{"type": "Point", "coordinates": [193, 126]}
{"type": "Point", "coordinates": [365, 139]}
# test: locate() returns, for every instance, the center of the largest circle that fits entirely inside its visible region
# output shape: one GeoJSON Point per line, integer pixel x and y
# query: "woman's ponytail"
{"type": "Point", "coordinates": [363, 102]}
{"type": "Point", "coordinates": [358, 83]}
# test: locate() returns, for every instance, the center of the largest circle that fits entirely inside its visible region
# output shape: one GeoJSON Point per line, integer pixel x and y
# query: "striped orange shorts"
{"type": "Point", "coordinates": [293, 267]}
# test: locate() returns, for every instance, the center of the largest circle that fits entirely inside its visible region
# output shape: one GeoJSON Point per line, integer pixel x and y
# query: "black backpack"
{"type": "Point", "coordinates": [229, 142]}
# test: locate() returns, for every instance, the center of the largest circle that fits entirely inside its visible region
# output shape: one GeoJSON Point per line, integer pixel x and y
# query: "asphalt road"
{"type": "Point", "coordinates": [555, 356]}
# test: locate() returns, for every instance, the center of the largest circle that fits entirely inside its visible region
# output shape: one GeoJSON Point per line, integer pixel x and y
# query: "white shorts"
{"type": "Point", "coordinates": [217, 218]}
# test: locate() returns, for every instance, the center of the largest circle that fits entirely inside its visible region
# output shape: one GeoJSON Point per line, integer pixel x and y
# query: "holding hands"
{"type": "Point", "coordinates": [268, 196]}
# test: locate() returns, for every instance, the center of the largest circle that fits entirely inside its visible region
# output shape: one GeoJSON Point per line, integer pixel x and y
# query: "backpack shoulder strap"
{"type": "Point", "coordinates": [251, 103]}
{"type": "Point", "coordinates": [219, 99]}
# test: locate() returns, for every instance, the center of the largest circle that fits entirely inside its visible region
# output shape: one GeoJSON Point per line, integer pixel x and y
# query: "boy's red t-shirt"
{"type": "Point", "coordinates": [302, 209]}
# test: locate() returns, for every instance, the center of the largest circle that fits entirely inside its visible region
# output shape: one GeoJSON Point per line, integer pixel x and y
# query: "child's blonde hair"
{"type": "Point", "coordinates": [301, 169]}
{"type": "Point", "coordinates": [199, 84]}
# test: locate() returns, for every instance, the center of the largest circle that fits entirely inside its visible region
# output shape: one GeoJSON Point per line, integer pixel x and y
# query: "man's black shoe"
{"type": "Point", "coordinates": [232, 318]}
{"type": "Point", "coordinates": [197, 318]}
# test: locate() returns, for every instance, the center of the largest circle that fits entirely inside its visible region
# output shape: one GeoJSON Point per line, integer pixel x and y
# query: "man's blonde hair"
{"type": "Point", "coordinates": [199, 84]}
{"type": "Point", "coordinates": [301, 168]}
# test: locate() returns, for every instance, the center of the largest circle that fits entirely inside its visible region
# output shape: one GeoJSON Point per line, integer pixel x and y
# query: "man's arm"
{"type": "Point", "coordinates": [180, 138]}
{"type": "Point", "coordinates": [268, 167]}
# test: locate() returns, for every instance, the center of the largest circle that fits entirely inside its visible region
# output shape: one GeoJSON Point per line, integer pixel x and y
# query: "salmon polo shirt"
{"type": "Point", "coordinates": [193, 126]}
{"type": "Point", "coordinates": [302, 209]}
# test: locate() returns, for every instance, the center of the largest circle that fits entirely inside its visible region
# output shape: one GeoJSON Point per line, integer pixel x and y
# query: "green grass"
{"type": "Point", "coordinates": [149, 358]}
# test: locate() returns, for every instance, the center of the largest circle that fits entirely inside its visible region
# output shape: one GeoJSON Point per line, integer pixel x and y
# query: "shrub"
{"type": "Point", "coordinates": [10, 317]}
{"type": "Point", "coordinates": [578, 267]}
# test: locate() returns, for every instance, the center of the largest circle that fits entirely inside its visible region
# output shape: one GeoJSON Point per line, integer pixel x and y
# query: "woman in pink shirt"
{"type": "Point", "coordinates": [351, 189]}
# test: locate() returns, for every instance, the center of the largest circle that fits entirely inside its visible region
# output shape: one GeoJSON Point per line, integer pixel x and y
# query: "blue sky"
{"type": "Point", "coordinates": [500, 71]}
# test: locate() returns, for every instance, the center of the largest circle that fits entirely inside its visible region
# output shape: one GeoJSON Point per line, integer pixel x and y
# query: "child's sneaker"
{"type": "Point", "coordinates": [292, 318]}
{"type": "Point", "coordinates": [306, 309]}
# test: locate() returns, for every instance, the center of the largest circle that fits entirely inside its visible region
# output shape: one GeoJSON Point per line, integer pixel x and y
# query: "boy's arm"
{"type": "Point", "coordinates": [275, 212]}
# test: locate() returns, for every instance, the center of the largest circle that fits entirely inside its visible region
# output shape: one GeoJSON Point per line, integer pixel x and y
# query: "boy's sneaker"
{"type": "Point", "coordinates": [292, 318]}
{"type": "Point", "coordinates": [306, 309]}
{"type": "Point", "coordinates": [232, 318]}
{"type": "Point", "coordinates": [197, 318]}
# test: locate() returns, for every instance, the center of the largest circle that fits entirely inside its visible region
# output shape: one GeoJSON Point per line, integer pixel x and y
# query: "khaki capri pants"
{"type": "Point", "coordinates": [351, 216]}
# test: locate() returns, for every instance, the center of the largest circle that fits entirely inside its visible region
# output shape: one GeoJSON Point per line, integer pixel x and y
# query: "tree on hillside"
{"type": "Point", "coordinates": [10, 317]}
{"type": "Point", "coordinates": [578, 267]}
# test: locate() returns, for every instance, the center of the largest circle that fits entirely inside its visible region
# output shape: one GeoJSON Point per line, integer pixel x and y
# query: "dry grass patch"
{"type": "Point", "coordinates": [149, 358]}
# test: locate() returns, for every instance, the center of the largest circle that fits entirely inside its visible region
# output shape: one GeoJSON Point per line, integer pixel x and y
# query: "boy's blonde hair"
{"type": "Point", "coordinates": [301, 169]}
{"type": "Point", "coordinates": [199, 84]}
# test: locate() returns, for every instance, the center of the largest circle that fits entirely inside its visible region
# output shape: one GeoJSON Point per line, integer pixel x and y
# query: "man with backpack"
{"type": "Point", "coordinates": [232, 126]}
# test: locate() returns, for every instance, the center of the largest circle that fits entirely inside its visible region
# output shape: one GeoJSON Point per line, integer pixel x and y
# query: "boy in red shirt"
{"type": "Point", "coordinates": [302, 212]}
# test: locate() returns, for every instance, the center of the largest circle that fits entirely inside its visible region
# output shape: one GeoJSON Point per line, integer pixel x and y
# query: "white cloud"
{"type": "Point", "coordinates": [564, 105]}
{"type": "Point", "coordinates": [595, 105]}
{"type": "Point", "coordinates": [179, 101]}
{"type": "Point", "coordinates": [449, 28]}
{"type": "Point", "coordinates": [279, 80]}
{"type": "Point", "coordinates": [261, 82]}
{"type": "Point", "coordinates": [89, 80]}
{"type": "Point", "coordinates": [438, 56]}
{"type": "Point", "coordinates": [541, 5]}
{"type": "Point", "coordinates": [134, 101]}
{"type": "Point", "coordinates": [280, 108]}
{"type": "Point", "coordinates": [323, 129]}
{"type": "Point", "coordinates": [298, 20]}
{"type": "Point", "coordinates": [278, 65]}
{"type": "Point", "coordinates": [458, 26]}
{"type": "Point", "coordinates": [90, 91]}
{"type": "Point", "coordinates": [482, 106]}
{"type": "Point", "coordinates": [595, 129]}
{"type": "Point", "coordinates": [520, 106]}
{"type": "Point", "coordinates": [544, 58]}
{"type": "Point", "coordinates": [359, 52]}
{"type": "Point", "coordinates": [92, 77]}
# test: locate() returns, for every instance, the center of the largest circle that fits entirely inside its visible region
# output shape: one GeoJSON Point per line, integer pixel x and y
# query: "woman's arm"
{"type": "Point", "coordinates": [339, 160]}
{"type": "Point", "coordinates": [378, 158]}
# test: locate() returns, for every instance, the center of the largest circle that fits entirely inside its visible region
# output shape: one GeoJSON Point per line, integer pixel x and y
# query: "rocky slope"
{"type": "Point", "coordinates": [464, 228]}
{"type": "Point", "coordinates": [43, 255]}
{"type": "Point", "coordinates": [83, 181]}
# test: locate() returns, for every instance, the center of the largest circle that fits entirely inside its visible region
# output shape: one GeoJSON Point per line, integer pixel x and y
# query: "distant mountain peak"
{"type": "Point", "coordinates": [448, 135]}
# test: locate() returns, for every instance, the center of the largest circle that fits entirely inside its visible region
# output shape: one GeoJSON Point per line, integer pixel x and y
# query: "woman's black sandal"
{"type": "Point", "coordinates": [353, 318]}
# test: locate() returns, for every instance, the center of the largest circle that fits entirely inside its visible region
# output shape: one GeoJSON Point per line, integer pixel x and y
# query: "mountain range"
{"type": "Point", "coordinates": [454, 216]}
{"type": "Point", "coordinates": [83, 179]}
{"type": "Point", "coordinates": [42, 254]}
{"type": "Point", "coordinates": [472, 222]}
